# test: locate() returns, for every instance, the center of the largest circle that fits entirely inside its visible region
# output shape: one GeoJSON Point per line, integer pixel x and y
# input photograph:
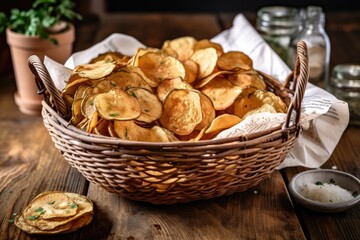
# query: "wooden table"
{"type": "Point", "coordinates": [30, 164]}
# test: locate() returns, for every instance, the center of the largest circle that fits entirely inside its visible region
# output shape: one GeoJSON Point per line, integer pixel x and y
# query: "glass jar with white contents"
{"type": "Point", "coordinates": [318, 43]}
{"type": "Point", "coordinates": [278, 25]}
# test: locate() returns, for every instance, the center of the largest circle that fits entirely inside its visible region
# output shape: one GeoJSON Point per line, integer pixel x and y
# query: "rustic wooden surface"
{"type": "Point", "coordinates": [30, 163]}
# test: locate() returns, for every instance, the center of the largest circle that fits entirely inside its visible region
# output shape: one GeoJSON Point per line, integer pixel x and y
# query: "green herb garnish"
{"type": "Point", "coordinates": [114, 114]}
{"type": "Point", "coordinates": [40, 209]}
{"type": "Point", "coordinates": [319, 183]}
{"type": "Point", "coordinates": [332, 181]}
{"type": "Point", "coordinates": [32, 218]}
{"type": "Point", "coordinates": [133, 94]}
{"type": "Point", "coordinates": [51, 202]}
{"type": "Point", "coordinates": [73, 205]}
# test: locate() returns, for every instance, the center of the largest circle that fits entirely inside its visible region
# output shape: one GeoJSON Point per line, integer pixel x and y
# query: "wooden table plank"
{"type": "Point", "coordinates": [263, 212]}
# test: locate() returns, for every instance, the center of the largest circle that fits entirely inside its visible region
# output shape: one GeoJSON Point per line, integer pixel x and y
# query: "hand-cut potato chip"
{"type": "Point", "coordinates": [183, 46]}
{"type": "Point", "coordinates": [206, 59]}
{"type": "Point", "coordinates": [48, 206]}
{"type": "Point", "coordinates": [117, 104]}
{"type": "Point", "coordinates": [95, 70]}
{"type": "Point", "coordinates": [207, 111]}
{"type": "Point", "coordinates": [234, 60]}
{"type": "Point", "coordinates": [206, 43]}
{"type": "Point", "coordinates": [88, 105]}
{"type": "Point", "coordinates": [134, 61]}
{"type": "Point", "coordinates": [102, 127]}
{"type": "Point", "coordinates": [72, 87]}
{"type": "Point", "coordinates": [55, 212]}
{"type": "Point", "coordinates": [222, 122]}
{"type": "Point", "coordinates": [151, 106]}
{"type": "Point", "coordinates": [110, 57]}
{"type": "Point", "coordinates": [129, 130]}
{"type": "Point", "coordinates": [263, 108]}
{"type": "Point", "coordinates": [125, 78]}
{"type": "Point", "coordinates": [245, 80]}
{"type": "Point", "coordinates": [76, 116]}
{"type": "Point", "coordinates": [81, 91]}
{"type": "Point", "coordinates": [222, 93]}
{"type": "Point", "coordinates": [256, 99]}
{"type": "Point", "coordinates": [204, 81]}
{"type": "Point", "coordinates": [182, 111]}
{"type": "Point", "coordinates": [169, 84]}
{"type": "Point", "coordinates": [191, 71]}
{"type": "Point", "coordinates": [159, 66]}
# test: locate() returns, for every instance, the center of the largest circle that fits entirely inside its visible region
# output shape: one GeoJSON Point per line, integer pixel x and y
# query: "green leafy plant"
{"type": "Point", "coordinates": [40, 19]}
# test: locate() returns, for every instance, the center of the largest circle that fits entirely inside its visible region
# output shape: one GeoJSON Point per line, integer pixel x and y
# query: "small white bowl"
{"type": "Point", "coordinates": [342, 179]}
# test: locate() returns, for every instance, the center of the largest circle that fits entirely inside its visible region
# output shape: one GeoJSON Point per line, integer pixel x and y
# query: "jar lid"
{"type": "Point", "coordinates": [278, 19]}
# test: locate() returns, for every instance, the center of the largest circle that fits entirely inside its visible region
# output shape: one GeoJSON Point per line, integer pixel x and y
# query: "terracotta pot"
{"type": "Point", "coordinates": [22, 47]}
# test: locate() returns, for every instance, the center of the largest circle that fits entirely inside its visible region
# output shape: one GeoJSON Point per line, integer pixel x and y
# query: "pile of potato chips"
{"type": "Point", "coordinates": [55, 212]}
{"type": "Point", "coordinates": [188, 90]}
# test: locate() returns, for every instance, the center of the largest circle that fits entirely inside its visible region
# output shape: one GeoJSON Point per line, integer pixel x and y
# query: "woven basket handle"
{"type": "Point", "coordinates": [46, 86]}
{"type": "Point", "coordinates": [299, 76]}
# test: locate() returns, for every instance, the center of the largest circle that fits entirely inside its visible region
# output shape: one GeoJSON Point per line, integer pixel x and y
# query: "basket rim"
{"type": "Point", "coordinates": [246, 139]}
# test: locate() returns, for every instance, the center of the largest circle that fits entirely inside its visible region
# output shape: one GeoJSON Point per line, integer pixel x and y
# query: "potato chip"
{"type": "Point", "coordinates": [182, 111]}
{"type": "Point", "coordinates": [93, 121]}
{"type": "Point", "coordinates": [55, 212]}
{"type": "Point", "coordinates": [256, 99]}
{"type": "Point", "coordinates": [204, 81]}
{"type": "Point", "coordinates": [72, 87]}
{"type": "Point", "coordinates": [160, 66]}
{"type": "Point", "coordinates": [102, 127]}
{"type": "Point", "coordinates": [88, 105]}
{"type": "Point", "coordinates": [76, 114]}
{"type": "Point", "coordinates": [234, 60]}
{"type": "Point", "coordinates": [95, 70]}
{"type": "Point", "coordinates": [206, 43]}
{"type": "Point", "coordinates": [183, 46]}
{"type": "Point", "coordinates": [125, 78]}
{"type": "Point", "coordinates": [48, 206]}
{"type": "Point", "coordinates": [221, 92]}
{"type": "Point", "coordinates": [117, 104]}
{"type": "Point", "coordinates": [244, 80]}
{"type": "Point", "coordinates": [222, 122]}
{"type": "Point", "coordinates": [191, 71]}
{"type": "Point", "coordinates": [110, 56]}
{"type": "Point", "coordinates": [169, 84]}
{"type": "Point", "coordinates": [134, 61]}
{"type": "Point", "coordinates": [206, 59]}
{"type": "Point", "coordinates": [263, 108]}
{"type": "Point", "coordinates": [207, 111]}
{"type": "Point", "coordinates": [151, 106]}
{"type": "Point", "coordinates": [129, 130]}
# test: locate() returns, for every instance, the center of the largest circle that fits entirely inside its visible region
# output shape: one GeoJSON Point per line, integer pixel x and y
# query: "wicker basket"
{"type": "Point", "coordinates": [172, 172]}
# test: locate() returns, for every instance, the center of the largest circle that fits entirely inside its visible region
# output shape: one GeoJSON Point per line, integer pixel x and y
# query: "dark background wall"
{"type": "Point", "coordinates": [194, 5]}
{"type": "Point", "coordinates": [222, 5]}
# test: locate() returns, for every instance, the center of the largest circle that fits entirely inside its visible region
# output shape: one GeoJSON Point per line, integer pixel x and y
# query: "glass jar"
{"type": "Point", "coordinates": [318, 43]}
{"type": "Point", "coordinates": [278, 25]}
{"type": "Point", "coordinates": [345, 85]}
